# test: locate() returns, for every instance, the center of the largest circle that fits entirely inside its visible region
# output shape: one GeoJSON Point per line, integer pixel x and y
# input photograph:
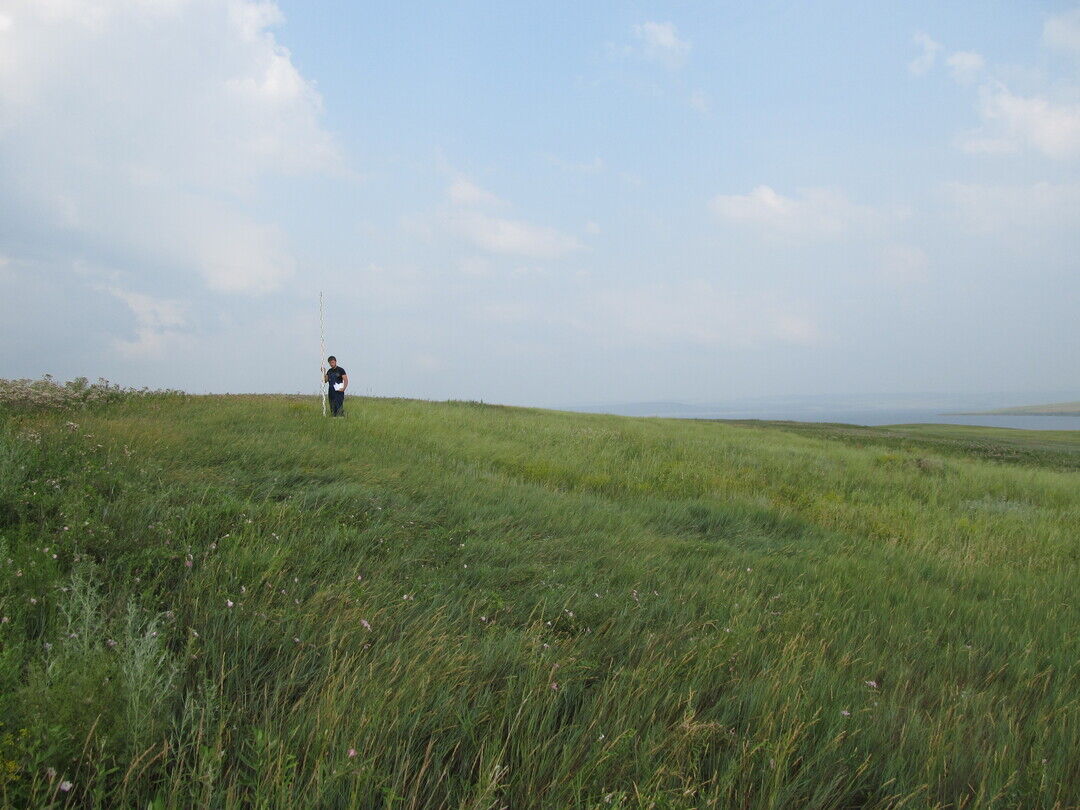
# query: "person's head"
{"type": "Point", "coordinates": [332, 361]}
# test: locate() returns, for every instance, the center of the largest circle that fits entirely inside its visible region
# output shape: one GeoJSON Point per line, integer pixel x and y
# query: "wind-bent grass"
{"type": "Point", "coordinates": [228, 601]}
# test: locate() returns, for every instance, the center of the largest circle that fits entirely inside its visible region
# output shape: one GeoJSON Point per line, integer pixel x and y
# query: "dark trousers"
{"type": "Point", "coordinates": [337, 403]}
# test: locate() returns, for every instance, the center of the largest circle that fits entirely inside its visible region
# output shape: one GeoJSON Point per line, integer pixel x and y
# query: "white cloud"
{"type": "Point", "coordinates": [701, 313]}
{"type": "Point", "coordinates": [157, 321]}
{"type": "Point", "coordinates": [1047, 122]}
{"type": "Point", "coordinates": [465, 192]}
{"type": "Point", "coordinates": [823, 214]}
{"type": "Point", "coordinates": [498, 235]}
{"type": "Point", "coordinates": [965, 66]}
{"type": "Point", "coordinates": [660, 42]}
{"type": "Point", "coordinates": [921, 64]}
{"type": "Point", "coordinates": [510, 237]}
{"type": "Point", "coordinates": [1012, 122]}
{"type": "Point", "coordinates": [143, 129]}
{"type": "Point", "coordinates": [1062, 31]}
{"type": "Point", "coordinates": [699, 101]}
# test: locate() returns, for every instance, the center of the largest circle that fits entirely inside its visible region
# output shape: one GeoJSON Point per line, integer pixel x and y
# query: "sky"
{"type": "Point", "coordinates": [543, 202]}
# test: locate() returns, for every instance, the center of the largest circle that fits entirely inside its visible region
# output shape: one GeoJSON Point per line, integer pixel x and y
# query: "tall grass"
{"type": "Point", "coordinates": [455, 605]}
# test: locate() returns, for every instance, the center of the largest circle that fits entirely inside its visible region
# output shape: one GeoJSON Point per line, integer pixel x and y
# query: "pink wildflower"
{"type": "Point", "coordinates": [365, 624]}
{"type": "Point", "coordinates": [228, 603]}
{"type": "Point", "coordinates": [66, 786]}
{"type": "Point", "coordinates": [352, 753]}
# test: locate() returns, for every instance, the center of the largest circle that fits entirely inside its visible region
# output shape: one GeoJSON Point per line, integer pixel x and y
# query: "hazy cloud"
{"type": "Point", "coordinates": [1005, 211]}
{"type": "Point", "coordinates": [510, 237]}
{"type": "Point", "coordinates": [1047, 122]}
{"type": "Point", "coordinates": [660, 42]}
{"type": "Point", "coordinates": [921, 64]}
{"type": "Point", "coordinates": [965, 66]}
{"type": "Point", "coordinates": [499, 235]}
{"type": "Point", "coordinates": [1012, 122]}
{"type": "Point", "coordinates": [1062, 31]}
{"type": "Point", "coordinates": [155, 150]}
{"type": "Point", "coordinates": [701, 313]}
{"type": "Point", "coordinates": [820, 214]}
{"type": "Point", "coordinates": [594, 166]}
{"type": "Point", "coordinates": [157, 321]}
{"type": "Point", "coordinates": [465, 192]}
{"type": "Point", "coordinates": [903, 264]}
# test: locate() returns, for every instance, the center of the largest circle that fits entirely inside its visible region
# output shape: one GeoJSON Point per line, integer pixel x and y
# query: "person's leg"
{"type": "Point", "coordinates": [337, 404]}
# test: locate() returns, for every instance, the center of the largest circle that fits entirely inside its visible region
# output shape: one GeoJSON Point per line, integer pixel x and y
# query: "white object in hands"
{"type": "Point", "coordinates": [339, 386]}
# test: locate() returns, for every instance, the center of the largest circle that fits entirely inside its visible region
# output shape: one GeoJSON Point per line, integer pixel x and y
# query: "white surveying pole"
{"type": "Point", "coordinates": [322, 351]}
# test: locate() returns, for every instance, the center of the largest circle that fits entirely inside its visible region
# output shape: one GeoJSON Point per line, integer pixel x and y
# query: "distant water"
{"type": "Point", "coordinates": [900, 417]}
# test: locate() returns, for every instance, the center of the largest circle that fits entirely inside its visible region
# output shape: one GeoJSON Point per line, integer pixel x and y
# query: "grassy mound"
{"type": "Point", "coordinates": [229, 601]}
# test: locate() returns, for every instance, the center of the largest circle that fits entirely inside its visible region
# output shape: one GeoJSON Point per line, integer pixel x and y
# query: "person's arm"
{"type": "Point", "coordinates": [345, 379]}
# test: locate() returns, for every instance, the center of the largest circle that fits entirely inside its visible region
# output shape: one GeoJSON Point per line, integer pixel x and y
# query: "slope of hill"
{"type": "Point", "coordinates": [229, 601]}
{"type": "Point", "coordinates": [1059, 408]}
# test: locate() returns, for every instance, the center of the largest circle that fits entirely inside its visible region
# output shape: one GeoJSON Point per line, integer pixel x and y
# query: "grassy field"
{"type": "Point", "coordinates": [230, 601]}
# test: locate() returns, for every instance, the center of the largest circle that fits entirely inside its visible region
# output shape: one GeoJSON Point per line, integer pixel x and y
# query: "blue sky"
{"type": "Point", "coordinates": [543, 203]}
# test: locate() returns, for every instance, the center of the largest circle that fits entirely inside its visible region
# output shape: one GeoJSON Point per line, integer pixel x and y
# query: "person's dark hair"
{"type": "Point", "coordinates": [331, 357]}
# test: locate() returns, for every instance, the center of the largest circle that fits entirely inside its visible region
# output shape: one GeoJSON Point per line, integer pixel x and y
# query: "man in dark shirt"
{"type": "Point", "coordinates": [337, 381]}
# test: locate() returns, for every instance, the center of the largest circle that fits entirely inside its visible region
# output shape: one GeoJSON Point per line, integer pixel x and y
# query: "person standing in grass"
{"type": "Point", "coordinates": [337, 381]}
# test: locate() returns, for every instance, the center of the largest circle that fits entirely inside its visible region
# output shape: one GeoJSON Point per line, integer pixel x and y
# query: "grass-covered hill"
{"type": "Point", "coordinates": [230, 601]}
{"type": "Point", "coordinates": [1056, 409]}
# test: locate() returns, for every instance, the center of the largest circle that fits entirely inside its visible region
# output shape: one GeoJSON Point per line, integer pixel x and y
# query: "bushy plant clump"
{"type": "Point", "coordinates": [50, 394]}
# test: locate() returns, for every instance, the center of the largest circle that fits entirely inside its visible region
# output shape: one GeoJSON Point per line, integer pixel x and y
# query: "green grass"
{"type": "Point", "coordinates": [1048, 449]}
{"type": "Point", "coordinates": [499, 607]}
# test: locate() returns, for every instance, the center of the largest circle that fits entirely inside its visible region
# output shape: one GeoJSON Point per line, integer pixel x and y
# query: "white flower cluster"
{"type": "Point", "coordinates": [48, 394]}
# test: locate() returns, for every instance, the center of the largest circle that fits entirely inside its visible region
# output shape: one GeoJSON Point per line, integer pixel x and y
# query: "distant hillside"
{"type": "Point", "coordinates": [1058, 409]}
